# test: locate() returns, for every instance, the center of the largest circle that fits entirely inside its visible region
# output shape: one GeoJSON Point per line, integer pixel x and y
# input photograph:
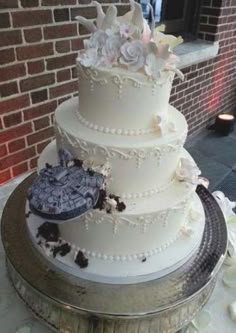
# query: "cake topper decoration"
{"type": "Point", "coordinates": [61, 193]}
{"type": "Point", "coordinates": [65, 191]}
{"type": "Point", "coordinates": [70, 189]}
{"type": "Point", "coordinates": [128, 41]}
{"type": "Point", "coordinates": [187, 171]}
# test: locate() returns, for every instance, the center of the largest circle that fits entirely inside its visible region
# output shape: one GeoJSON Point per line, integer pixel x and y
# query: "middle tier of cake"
{"type": "Point", "coordinates": [136, 243]}
{"type": "Point", "coordinates": [140, 166]}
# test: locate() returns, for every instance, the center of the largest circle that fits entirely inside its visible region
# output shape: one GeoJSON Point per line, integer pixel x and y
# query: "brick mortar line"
{"type": "Point", "coordinates": [57, 55]}
{"type": "Point", "coordinates": [45, 41]}
{"type": "Point", "coordinates": [58, 84]}
{"type": "Point", "coordinates": [190, 94]}
{"type": "Point", "coordinates": [35, 132]}
{"type": "Point", "coordinates": [24, 62]}
{"type": "Point", "coordinates": [52, 8]}
{"type": "Point", "coordinates": [44, 58]}
{"type": "Point", "coordinates": [54, 85]}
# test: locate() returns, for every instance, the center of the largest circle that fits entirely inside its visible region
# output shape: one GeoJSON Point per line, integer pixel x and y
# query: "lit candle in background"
{"type": "Point", "coordinates": [224, 123]}
{"type": "Point", "coordinates": [226, 116]}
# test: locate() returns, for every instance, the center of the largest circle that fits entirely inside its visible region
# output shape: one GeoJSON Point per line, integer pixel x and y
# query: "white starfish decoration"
{"type": "Point", "coordinates": [163, 126]}
{"type": "Point", "coordinates": [186, 230]}
{"type": "Point", "coordinates": [188, 171]}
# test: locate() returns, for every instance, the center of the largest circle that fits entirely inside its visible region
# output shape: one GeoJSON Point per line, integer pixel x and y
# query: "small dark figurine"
{"type": "Point", "coordinates": [49, 231]}
{"type": "Point", "coordinates": [101, 199]}
{"type": "Point", "coordinates": [144, 259]}
{"type": "Point", "coordinates": [90, 172]}
{"type": "Point", "coordinates": [81, 260]}
{"type": "Point", "coordinates": [27, 215]}
{"type": "Point", "coordinates": [48, 166]}
{"type": "Point", "coordinates": [61, 249]}
{"type": "Point", "coordinates": [115, 197]}
{"type": "Point", "coordinates": [78, 163]}
{"type": "Point", "coordinates": [120, 206]}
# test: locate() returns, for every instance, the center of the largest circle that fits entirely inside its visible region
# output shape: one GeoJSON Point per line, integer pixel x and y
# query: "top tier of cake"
{"type": "Point", "coordinates": [125, 73]}
{"type": "Point", "coordinates": [121, 102]}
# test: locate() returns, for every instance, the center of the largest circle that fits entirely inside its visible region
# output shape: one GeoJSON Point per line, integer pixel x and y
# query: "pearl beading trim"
{"type": "Point", "coordinates": [119, 131]}
{"type": "Point", "coordinates": [147, 193]}
{"type": "Point", "coordinates": [88, 149]}
{"type": "Point", "coordinates": [131, 257]}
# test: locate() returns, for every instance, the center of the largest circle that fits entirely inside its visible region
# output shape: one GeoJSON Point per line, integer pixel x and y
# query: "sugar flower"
{"type": "Point", "coordinates": [111, 49]}
{"type": "Point", "coordinates": [146, 33]}
{"type": "Point", "coordinates": [97, 40]}
{"type": "Point", "coordinates": [154, 66]}
{"type": "Point", "coordinates": [163, 125]}
{"type": "Point", "coordinates": [89, 58]}
{"type": "Point", "coordinates": [188, 171]}
{"type": "Point", "coordinates": [162, 39]}
{"type": "Point", "coordinates": [129, 41]}
{"type": "Point", "coordinates": [132, 55]}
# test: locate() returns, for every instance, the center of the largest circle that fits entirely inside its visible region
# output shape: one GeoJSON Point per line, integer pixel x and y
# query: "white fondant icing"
{"type": "Point", "coordinates": [118, 98]}
{"type": "Point", "coordinates": [121, 268]}
{"type": "Point", "coordinates": [154, 222]}
{"type": "Point", "coordinates": [139, 163]}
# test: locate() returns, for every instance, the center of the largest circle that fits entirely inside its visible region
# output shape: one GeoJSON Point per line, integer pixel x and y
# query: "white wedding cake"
{"type": "Point", "coordinates": [149, 220]}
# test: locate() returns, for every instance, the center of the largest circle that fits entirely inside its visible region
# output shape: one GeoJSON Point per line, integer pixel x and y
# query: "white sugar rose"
{"type": "Point", "coordinates": [111, 50]}
{"type": "Point", "coordinates": [133, 55]}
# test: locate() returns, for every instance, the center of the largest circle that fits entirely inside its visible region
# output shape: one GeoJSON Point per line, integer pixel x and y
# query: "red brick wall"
{"type": "Point", "coordinates": [39, 40]}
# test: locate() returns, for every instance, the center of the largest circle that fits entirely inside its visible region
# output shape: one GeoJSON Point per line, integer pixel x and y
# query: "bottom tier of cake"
{"type": "Point", "coordinates": [133, 269]}
{"type": "Point", "coordinates": [150, 238]}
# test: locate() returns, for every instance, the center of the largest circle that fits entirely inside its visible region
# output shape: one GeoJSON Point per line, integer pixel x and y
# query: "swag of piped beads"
{"type": "Point", "coordinates": [127, 41]}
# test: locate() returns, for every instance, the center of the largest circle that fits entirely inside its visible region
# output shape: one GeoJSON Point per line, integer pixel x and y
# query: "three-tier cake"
{"type": "Point", "coordinates": [121, 207]}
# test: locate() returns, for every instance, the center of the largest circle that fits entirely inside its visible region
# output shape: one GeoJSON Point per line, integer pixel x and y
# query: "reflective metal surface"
{"type": "Point", "coordinates": [73, 305]}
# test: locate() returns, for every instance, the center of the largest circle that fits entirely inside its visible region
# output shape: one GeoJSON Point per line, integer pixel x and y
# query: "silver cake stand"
{"type": "Point", "coordinates": [71, 305]}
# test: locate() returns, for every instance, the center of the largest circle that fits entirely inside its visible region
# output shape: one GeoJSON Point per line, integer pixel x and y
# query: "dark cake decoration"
{"type": "Point", "coordinates": [27, 215]}
{"type": "Point", "coordinates": [61, 249]}
{"type": "Point", "coordinates": [101, 199]}
{"type": "Point", "coordinates": [48, 166]}
{"type": "Point", "coordinates": [121, 206]}
{"type": "Point", "coordinates": [144, 259]}
{"type": "Point", "coordinates": [90, 172]}
{"type": "Point", "coordinates": [49, 231]}
{"type": "Point", "coordinates": [65, 157]}
{"type": "Point", "coordinates": [78, 163]}
{"type": "Point", "coordinates": [81, 260]}
{"type": "Point", "coordinates": [115, 197]}
{"type": "Point", "coordinates": [62, 193]}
